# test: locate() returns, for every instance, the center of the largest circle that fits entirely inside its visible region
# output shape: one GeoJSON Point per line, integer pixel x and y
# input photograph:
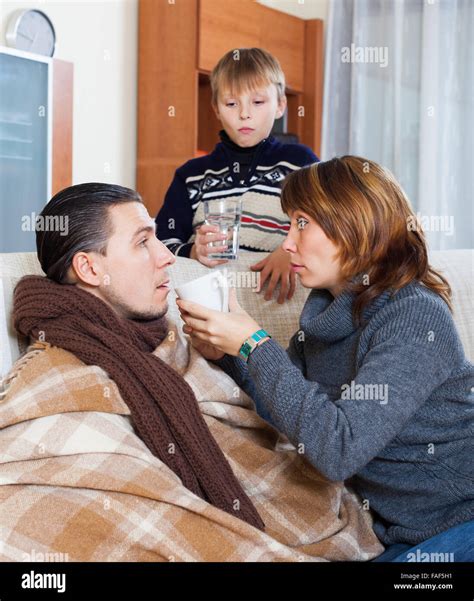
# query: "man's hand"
{"type": "Point", "coordinates": [222, 332]}
{"type": "Point", "coordinates": [208, 351]}
{"type": "Point", "coordinates": [200, 249]}
{"type": "Point", "coordinates": [277, 267]}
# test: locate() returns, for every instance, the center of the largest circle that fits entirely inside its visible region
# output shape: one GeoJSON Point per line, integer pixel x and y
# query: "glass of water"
{"type": "Point", "coordinates": [226, 214]}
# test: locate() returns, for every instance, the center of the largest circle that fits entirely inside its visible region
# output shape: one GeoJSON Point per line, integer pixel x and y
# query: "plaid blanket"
{"type": "Point", "coordinates": [77, 484]}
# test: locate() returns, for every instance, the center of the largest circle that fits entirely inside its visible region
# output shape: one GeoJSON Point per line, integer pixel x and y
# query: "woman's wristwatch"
{"type": "Point", "coordinates": [252, 342]}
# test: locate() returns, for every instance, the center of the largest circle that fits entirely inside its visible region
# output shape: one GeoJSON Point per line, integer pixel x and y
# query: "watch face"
{"type": "Point", "coordinates": [35, 33]}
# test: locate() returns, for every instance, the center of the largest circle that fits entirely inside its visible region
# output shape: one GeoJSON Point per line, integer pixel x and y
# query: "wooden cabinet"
{"type": "Point", "coordinates": [244, 24]}
{"type": "Point", "coordinates": [167, 95]}
{"type": "Point", "coordinates": [284, 36]}
{"type": "Point", "coordinates": [225, 25]}
{"type": "Point", "coordinates": [179, 45]}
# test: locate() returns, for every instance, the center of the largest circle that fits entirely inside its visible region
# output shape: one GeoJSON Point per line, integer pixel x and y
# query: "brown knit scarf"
{"type": "Point", "coordinates": [163, 407]}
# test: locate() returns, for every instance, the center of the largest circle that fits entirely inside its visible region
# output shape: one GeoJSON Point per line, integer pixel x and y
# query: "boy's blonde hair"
{"type": "Point", "coordinates": [244, 69]}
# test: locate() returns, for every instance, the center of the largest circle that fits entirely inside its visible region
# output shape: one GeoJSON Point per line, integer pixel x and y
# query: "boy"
{"type": "Point", "coordinates": [248, 94]}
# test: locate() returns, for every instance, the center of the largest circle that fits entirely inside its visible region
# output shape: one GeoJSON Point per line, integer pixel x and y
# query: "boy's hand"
{"type": "Point", "coordinates": [277, 267]}
{"type": "Point", "coordinates": [200, 249]}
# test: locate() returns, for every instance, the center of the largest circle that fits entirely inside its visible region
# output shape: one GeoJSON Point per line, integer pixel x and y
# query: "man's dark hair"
{"type": "Point", "coordinates": [85, 208]}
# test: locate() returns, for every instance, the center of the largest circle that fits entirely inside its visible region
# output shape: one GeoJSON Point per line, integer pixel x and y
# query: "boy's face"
{"type": "Point", "coordinates": [248, 117]}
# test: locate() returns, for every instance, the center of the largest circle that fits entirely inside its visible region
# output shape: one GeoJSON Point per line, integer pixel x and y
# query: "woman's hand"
{"type": "Point", "coordinates": [277, 267]}
{"type": "Point", "coordinates": [200, 249]}
{"type": "Point", "coordinates": [221, 332]}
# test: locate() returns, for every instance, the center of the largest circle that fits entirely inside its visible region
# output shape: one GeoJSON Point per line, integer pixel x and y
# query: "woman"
{"type": "Point", "coordinates": [375, 386]}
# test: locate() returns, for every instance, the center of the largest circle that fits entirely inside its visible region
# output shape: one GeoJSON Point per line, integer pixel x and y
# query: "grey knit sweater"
{"type": "Point", "coordinates": [387, 406]}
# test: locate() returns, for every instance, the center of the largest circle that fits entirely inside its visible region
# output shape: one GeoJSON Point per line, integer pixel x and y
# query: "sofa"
{"type": "Point", "coordinates": [279, 320]}
{"type": "Point", "coordinates": [78, 483]}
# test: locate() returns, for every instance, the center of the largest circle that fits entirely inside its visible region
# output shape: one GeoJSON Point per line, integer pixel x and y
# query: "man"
{"type": "Point", "coordinates": [104, 300]}
{"type": "Point", "coordinates": [110, 249]}
{"type": "Point", "coordinates": [76, 478]}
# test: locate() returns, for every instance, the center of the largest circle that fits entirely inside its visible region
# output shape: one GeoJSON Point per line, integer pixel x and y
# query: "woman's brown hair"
{"type": "Point", "coordinates": [361, 207]}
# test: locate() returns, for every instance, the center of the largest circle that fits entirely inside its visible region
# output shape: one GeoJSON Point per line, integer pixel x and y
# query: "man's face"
{"type": "Point", "coordinates": [248, 118]}
{"type": "Point", "coordinates": [133, 278]}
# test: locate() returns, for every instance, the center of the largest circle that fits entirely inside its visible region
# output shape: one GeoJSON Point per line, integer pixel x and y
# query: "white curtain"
{"type": "Point", "coordinates": [399, 89]}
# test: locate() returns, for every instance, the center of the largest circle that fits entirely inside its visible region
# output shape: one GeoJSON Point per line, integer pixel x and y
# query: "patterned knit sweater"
{"type": "Point", "coordinates": [225, 174]}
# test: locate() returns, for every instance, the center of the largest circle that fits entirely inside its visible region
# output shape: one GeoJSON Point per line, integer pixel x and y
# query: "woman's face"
{"type": "Point", "coordinates": [313, 254]}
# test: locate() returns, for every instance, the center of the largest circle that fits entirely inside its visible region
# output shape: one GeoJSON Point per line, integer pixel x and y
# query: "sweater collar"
{"type": "Point", "coordinates": [328, 318]}
{"type": "Point", "coordinates": [248, 157]}
{"type": "Point", "coordinates": [231, 145]}
{"type": "Point", "coordinates": [227, 144]}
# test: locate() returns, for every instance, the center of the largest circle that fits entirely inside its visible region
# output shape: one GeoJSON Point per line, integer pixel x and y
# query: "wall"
{"type": "Point", "coordinates": [100, 38]}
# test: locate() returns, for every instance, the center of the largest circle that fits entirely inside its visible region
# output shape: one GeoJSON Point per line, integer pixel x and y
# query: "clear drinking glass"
{"type": "Point", "coordinates": [226, 214]}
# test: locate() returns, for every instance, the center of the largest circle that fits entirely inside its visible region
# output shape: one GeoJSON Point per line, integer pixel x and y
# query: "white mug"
{"type": "Point", "coordinates": [210, 290]}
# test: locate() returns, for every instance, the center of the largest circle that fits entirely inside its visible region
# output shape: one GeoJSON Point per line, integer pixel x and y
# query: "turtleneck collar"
{"type": "Point", "coordinates": [328, 318]}
{"type": "Point", "coordinates": [235, 147]}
